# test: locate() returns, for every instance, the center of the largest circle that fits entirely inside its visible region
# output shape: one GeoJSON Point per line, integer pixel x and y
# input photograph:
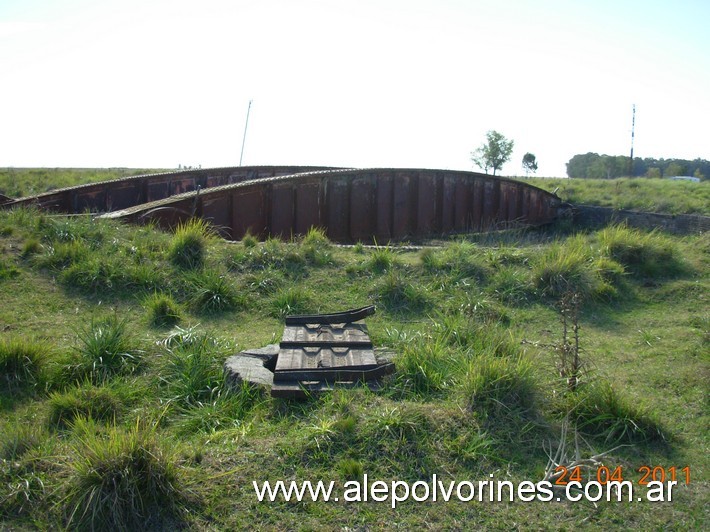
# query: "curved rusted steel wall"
{"type": "Point", "coordinates": [358, 204]}
{"type": "Point", "coordinates": [107, 196]}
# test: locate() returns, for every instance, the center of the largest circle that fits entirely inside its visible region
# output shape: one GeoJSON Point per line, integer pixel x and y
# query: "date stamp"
{"type": "Point", "coordinates": [641, 476]}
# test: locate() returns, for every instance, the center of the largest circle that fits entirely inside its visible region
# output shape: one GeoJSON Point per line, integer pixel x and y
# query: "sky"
{"type": "Point", "coordinates": [349, 83]}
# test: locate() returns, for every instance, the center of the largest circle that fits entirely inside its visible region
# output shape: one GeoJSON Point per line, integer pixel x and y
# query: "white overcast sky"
{"type": "Point", "coordinates": [365, 83]}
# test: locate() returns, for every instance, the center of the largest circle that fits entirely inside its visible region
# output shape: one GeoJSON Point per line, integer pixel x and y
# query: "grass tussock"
{"type": "Point", "coordinates": [212, 291]}
{"type": "Point", "coordinates": [295, 300]}
{"type": "Point", "coordinates": [122, 480]}
{"type": "Point", "coordinates": [106, 348]}
{"type": "Point", "coordinates": [494, 382]}
{"type": "Point", "coordinates": [189, 244]}
{"type": "Point", "coordinates": [397, 294]}
{"type": "Point", "coordinates": [22, 363]}
{"type": "Point", "coordinates": [87, 401]}
{"type": "Point", "coordinates": [601, 411]}
{"type": "Point", "coordinates": [162, 309]}
{"type": "Point", "coordinates": [642, 253]}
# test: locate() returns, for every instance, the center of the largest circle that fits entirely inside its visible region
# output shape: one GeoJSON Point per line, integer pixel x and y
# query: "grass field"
{"type": "Point", "coordinates": [114, 410]}
{"type": "Point", "coordinates": [636, 194]}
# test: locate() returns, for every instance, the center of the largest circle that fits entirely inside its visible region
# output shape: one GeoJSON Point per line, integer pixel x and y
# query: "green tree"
{"type": "Point", "coordinates": [529, 163]}
{"type": "Point", "coordinates": [493, 153]}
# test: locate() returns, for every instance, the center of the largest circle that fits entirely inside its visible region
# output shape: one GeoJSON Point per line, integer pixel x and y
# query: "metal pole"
{"type": "Point", "coordinates": [246, 125]}
{"type": "Point", "coordinates": [633, 126]}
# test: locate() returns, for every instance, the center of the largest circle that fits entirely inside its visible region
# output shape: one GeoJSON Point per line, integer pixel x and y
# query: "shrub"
{"type": "Point", "coordinates": [62, 254]}
{"type": "Point", "coordinates": [162, 309]}
{"type": "Point", "coordinates": [22, 363]}
{"type": "Point", "coordinates": [123, 480]}
{"type": "Point", "coordinates": [188, 245]}
{"type": "Point", "coordinates": [105, 349]}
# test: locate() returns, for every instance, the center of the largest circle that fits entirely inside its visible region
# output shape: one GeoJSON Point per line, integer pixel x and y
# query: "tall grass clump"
{"type": "Point", "coordinates": [105, 349]}
{"type": "Point", "coordinates": [458, 260]}
{"type": "Point", "coordinates": [162, 309]}
{"type": "Point", "coordinates": [647, 254]}
{"type": "Point", "coordinates": [493, 382]}
{"type": "Point", "coordinates": [294, 300]}
{"type": "Point", "coordinates": [398, 295]}
{"type": "Point", "coordinates": [316, 247]}
{"type": "Point", "coordinates": [381, 259]}
{"type": "Point", "coordinates": [426, 365]}
{"type": "Point", "coordinates": [189, 244]}
{"type": "Point", "coordinates": [566, 267]}
{"type": "Point", "coordinates": [22, 363]}
{"type": "Point", "coordinates": [601, 412]}
{"type": "Point", "coordinates": [18, 438]}
{"type": "Point", "coordinates": [88, 401]}
{"type": "Point", "coordinates": [192, 373]}
{"type": "Point", "coordinates": [122, 480]}
{"type": "Point", "coordinates": [213, 291]}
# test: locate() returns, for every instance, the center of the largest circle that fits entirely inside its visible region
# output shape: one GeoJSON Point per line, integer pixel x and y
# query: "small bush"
{"type": "Point", "coordinates": [189, 243]}
{"type": "Point", "coordinates": [214, 292]}
{"type": "Point", "coordinates": [7, 270]}
{"type": "Point", "coordinates": [101, 404]}
{"type": "Point", "coordinates": [105, 349]}
{"type": "Point", "coordinates": [22, 363]}
{"type": "Point", "coordinates": [123, 480]}
{"type": "Point", "coordinates": [351, 469]}
{"type": "Point", "coordinates": [162, 309]}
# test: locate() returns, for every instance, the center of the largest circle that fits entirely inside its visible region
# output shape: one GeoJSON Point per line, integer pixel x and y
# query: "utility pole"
{"type": "Point", "coordinates": [633, 126]}
{"type": "Point", "coordinates": [246, 125]}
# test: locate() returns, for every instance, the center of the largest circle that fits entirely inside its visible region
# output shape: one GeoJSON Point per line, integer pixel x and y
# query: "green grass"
{"type": "Point", "coordinates": [116, 413]}
{"type": "Point", "coordinates": [19, 182]}
{"type": "Point", "coordinates": [637, 194]}
{"type": "Point", "coordinates": [187, 248]}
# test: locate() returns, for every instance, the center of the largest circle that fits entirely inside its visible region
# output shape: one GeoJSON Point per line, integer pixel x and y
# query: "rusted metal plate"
{"type": "Point", "coordinates": [282, 210]}
{"type": "Point", "coordinates": [307, 212]}
{"type": "Point", "coordinates": [351, 205]}
{"type": "Point", "coordinates": [363, 208]}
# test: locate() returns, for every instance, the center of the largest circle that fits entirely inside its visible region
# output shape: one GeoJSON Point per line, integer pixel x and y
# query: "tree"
{"type": "Point", "coordinates": [493, 153]}
{"type": "Point", "coordinates": [529, 163]}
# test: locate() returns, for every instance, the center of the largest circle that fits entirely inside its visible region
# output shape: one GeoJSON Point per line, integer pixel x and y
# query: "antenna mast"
{"type": "Point", "coordinates": [633, 126]}
{"type": "Point", "coordinates": [246, 125]}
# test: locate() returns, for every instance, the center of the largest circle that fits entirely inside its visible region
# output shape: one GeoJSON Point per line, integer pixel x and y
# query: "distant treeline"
{"type": "Point", "coordinates": [597, 166]}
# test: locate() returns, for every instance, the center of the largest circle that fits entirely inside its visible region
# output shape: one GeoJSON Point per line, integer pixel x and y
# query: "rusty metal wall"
{"type": "Point", "coordinates": [359, 205]}
{"type": "Point", "coordinates": [107, 196]}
